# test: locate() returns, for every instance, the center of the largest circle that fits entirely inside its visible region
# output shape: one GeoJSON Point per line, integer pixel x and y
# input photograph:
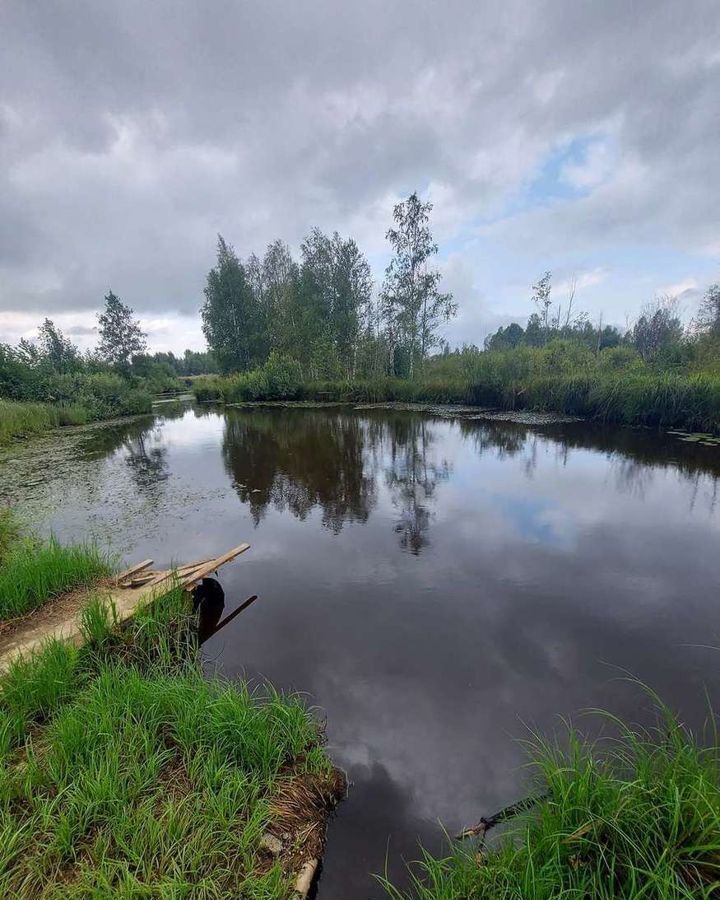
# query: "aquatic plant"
{"type": "Point", "coordinates": [9, 530]}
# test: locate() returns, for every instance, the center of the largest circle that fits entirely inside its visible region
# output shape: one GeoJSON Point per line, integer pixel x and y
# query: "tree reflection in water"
{"type": "Point", "coordinates": [412, 476]}
{"type": "Point", "coordinates": [146, 457]}
{"type": "Point", "coordinates": [299, 460]}
{"type": "Point", "coordinates": [302, 459]}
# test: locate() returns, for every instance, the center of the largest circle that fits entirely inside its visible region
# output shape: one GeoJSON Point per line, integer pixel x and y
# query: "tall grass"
{"type": "Point", "coordinates": [19, 420]}
{"type": "Point", "coordinates": [78, 402]}
{"type": "Point", "coordinates": [633, 398]}
{"type": "Point", "coordinates": [143, 777]}
{"type": "Point", "coordinates": [34, 571]}
{"type": "Point", "coordinates": [638, 817]}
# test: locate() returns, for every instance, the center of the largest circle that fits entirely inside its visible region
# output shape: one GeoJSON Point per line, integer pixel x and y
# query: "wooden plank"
{"type": "Point", "coordinates": [141, 580]}
{"type": "Point", "coordinates": [182, 572]}
{"type": "Point", "coordinates": [189, 580]}
{"type": "Point", "coordinates": [161, 576]}
{"type": "Point", "coordinates": [188, 567]}
{"type": "Point", "coordinates": [133, 570]}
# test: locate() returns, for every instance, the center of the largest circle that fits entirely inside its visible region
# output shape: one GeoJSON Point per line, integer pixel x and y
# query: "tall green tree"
{"type": "Point", "coordinates": [278, 279]}
{"type": "Point", "coordinates": [708, 318]}
{"type": "Point", "coordinates": [335, 289]}
{"type": "Point", "coordinates": [413, 306]}
{"type": "Point", "coordinates": [57, 352]}
{"type": "Point", "coordinates": [351, 298]}
{"type": "Point", "coordinates": [232, 315]}
{"type": "Point", "coordinates": [658, 329]}
{"type": "Point", "coordinates": [120, 334]}
{"type": "Point", "coordinates": [542, 300]}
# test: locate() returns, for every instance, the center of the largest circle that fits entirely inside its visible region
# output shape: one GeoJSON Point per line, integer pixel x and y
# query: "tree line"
{"type": "Point", "coordinates": [31, 369]}
{"type": "Point", "coordinates": [657, 336]}
{"type": "Point", "coordinates": [320, 310]}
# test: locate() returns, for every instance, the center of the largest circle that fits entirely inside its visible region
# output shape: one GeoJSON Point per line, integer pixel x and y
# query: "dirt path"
{"type": "Point", "coordinates": [60, 619]}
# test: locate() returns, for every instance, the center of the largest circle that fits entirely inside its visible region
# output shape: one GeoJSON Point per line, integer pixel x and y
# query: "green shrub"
{"type": "Point", "coordinates": [564, 377]}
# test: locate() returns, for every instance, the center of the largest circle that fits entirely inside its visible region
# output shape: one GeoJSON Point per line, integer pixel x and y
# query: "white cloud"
{"type": "Point", "coordinates": [679, 288]}
{"type": "Point", "coordinates": [131, 134]}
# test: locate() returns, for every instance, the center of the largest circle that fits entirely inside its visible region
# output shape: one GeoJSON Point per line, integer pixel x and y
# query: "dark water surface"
{"type": "Point", "coordinates": [434, 585]}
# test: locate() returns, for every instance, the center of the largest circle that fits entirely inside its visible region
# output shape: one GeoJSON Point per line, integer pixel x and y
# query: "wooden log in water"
{"type": "Point", "coordinates": [236, 612]}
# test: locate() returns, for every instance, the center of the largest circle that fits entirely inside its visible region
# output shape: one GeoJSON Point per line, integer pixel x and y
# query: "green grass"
{"type": "Point", "coordinates": [33, 571]}
{"type": "Point", "coordinates": [19, 420]}
{"type": "Point", "coordinates": [614, 386]}
{"type": "Point", "coordinates": [103, 398]}
{"type": "Point", "coordinates": [125, 772]}
{"type": "Point", "coordinates": [148, 784]}
{"type": "Point", "coordinates": [638, 817]}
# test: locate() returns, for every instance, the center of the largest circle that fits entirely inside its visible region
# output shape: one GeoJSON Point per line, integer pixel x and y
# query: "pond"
{"type": "Point", "coordinates": [437, 584]}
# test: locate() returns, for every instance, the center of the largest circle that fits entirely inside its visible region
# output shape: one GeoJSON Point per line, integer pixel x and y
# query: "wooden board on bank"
{"type": "Point", "coordinates": [138, 585]}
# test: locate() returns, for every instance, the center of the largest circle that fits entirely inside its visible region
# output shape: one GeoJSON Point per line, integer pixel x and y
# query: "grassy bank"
{"type": "Point", "coordinates": [98, 397]}
{"type": "Point", "coordinates": [143, 782]}
{"type": "Point", "coordinates": [666, 400]}
{"type": "Point", "coordinates": [125, 772]}
{"type": "Point", "coordinates": [33, 571]}
{"type": "Point", "coordinates": [639, 817]}
{"type": "Point", "coordinates": [20, 420]}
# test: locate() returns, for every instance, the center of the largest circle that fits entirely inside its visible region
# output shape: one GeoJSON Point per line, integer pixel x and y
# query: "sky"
{"type": "Point", "coordinates": [575, 136]}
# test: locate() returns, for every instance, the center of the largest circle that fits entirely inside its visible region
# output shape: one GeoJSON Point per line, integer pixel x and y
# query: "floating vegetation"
{"type": "Point", "coordinates": [697, 437]}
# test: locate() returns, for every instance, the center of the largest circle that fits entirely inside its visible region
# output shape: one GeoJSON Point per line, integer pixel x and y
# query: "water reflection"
{"type": "Point", "coordinates": [146, 457]}
{"type": "Point", "coordinates": [412, 475]}
{"type": "Point", "coordinates": [433, 585]}
{"type": "Point", "coordinates": [298, 460]}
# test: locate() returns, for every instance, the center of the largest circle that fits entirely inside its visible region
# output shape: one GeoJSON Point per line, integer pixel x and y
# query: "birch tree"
{"type": "Point", "coordinates": [413, 305]}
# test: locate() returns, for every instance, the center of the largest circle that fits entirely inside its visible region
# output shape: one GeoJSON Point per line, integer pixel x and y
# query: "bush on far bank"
{"type": "Point", "coordinates": [614, 385]}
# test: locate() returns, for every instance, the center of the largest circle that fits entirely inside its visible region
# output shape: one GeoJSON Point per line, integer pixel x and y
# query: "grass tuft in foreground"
{"type": "Point", "coordinates": [33, 572]}
{"type": "Point", "coordinates": [638, 817]}
{"type": "Point", "coordinates": [151, 784]}
{"type": "Point", "coordinates": [125, 772]}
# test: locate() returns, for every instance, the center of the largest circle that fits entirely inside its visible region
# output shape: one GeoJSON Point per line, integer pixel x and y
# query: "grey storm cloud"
{"type": "Point", "coordinates": [132, 132]}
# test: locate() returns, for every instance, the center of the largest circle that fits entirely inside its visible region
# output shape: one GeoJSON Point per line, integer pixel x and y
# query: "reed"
{"type": "Point", "coordinates": [665, 400]}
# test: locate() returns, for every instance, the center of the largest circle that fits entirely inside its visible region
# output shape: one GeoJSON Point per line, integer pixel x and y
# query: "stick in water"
{"type": "Point", "coordinates": [507, 812]}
